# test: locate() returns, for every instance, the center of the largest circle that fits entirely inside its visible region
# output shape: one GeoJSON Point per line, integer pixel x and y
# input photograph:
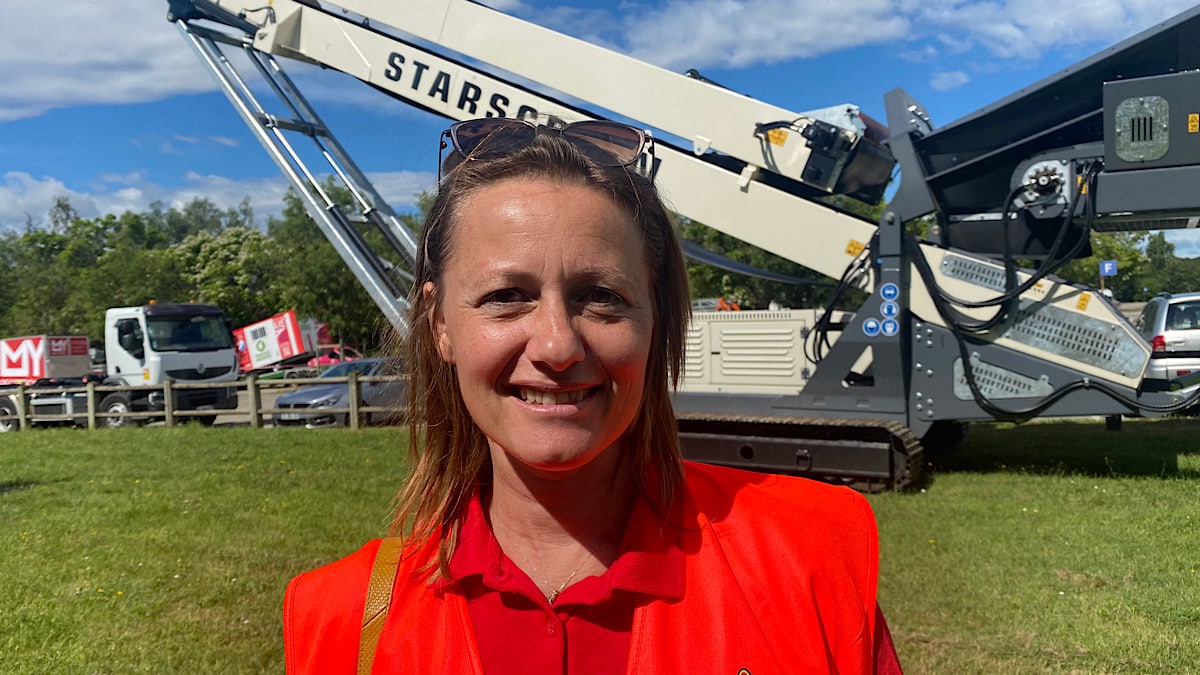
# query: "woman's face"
{"type": "Point", "coordinates": [546, 314]}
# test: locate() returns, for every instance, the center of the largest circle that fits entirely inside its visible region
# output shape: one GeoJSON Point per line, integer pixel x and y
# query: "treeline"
{"type": "Point", "coordinates": [58, 276]}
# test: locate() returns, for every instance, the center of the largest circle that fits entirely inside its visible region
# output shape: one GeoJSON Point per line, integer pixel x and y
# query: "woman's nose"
{"type": "Point", "coordinates": [554, 340]}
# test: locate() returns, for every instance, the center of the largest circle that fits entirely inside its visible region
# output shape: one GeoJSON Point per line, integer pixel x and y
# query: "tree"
{"type": "Point", "coordinates": [1123, 247]}
{"type": "Point", "coordinates": [753, 293]}
{"type": "Point", "coordinates": [235, 269]}
{"type": "Point", "coordinates": [200, 215]}
{"type": "Point", "coordinates": [316, 282]}
{"type": "Point", "coordinates": [9, 241]}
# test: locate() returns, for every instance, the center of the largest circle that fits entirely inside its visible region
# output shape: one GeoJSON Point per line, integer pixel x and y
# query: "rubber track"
{"type": "Point", "coordinates": [907, 450]}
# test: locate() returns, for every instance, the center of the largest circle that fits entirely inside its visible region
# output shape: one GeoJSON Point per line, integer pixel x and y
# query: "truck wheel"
{"type": "Point", "coordinates": [7, 408]}
{"type": "Point", "coordinates": [115, 402]}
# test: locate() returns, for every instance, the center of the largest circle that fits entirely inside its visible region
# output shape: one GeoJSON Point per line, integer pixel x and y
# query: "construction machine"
{"type": "Point", "coordinates": [952, 331]}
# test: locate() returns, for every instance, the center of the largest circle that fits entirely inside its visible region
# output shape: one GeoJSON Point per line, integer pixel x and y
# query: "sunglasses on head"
{"type": "Point", "coordinates": [604, 142]}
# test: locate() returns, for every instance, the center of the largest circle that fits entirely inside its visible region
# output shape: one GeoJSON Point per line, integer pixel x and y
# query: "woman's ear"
{"type": "Point", "coordinates": [437, 323]}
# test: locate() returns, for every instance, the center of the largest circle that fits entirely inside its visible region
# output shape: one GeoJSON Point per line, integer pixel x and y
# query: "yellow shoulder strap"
{"type": "Point", "coordinates": [379, 598]}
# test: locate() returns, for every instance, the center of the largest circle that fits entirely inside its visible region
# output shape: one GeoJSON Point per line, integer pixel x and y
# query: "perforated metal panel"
{"type": "Point", "coordinates": [1076, 337]}
{"type": "Point", "coordinates": [997, 383]}
{"type": "Point", "coordinates": [987, 275]}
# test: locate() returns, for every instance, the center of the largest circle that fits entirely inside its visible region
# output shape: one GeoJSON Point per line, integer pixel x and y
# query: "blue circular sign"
{"type": "Point", "coordinates": [889, 310]}
{"type": "Point", "coordinates": [871, 327]}
{"type": "Point", "coordinates": [890, 327]}
{"type": "Point", "coordinates": [889, 291]}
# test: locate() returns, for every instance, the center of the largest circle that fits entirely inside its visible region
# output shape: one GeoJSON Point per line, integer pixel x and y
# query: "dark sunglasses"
{"type": "Point", "coordinates": [604, 142]}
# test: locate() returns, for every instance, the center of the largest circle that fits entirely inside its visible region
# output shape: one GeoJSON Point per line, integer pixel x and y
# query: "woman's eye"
{"type": "Point", "coordinates": [602, 296]}
{"type": "Point", "coordinates": [504, 297]}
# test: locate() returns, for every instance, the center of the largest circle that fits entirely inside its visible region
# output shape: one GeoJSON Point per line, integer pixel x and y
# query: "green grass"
{"type": "Point", "coordinates": [1047, 548]}
{"type": "Point", "coordinates": [167, 550]}
{"type": "Point", "coordinates": [1050, 548]}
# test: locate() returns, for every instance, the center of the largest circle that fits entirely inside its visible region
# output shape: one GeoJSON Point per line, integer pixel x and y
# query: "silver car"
{"type": "Point", "coordinates": [310, 404]}
{"type": "Point", "coordinates": [1171, 324]}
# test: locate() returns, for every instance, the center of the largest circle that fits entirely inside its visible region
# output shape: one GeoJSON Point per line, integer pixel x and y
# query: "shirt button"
{"type": "Point", "coordinates": [551, 629]}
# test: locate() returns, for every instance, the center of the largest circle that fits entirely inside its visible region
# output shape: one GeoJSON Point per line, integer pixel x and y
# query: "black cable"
{"type": "Point", "coordinates": [819, 335]}
{"type": "Point", "coordinates": [1054, 260]}
{"type": "Point", "coordinates": [1021, 415]}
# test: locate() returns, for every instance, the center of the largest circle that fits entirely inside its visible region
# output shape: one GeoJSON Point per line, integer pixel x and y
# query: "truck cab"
{"type": "Point", "coordinates": [185, 343]}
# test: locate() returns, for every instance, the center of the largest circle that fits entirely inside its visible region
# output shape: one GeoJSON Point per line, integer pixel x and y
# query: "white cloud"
{"type": "Point", "coordinates": [727, 33]}
{"type": "Point", "coordinates": [742, 33]}
{"type": "Point", "coordinates": [24, 199]}
{"type": "Point", "coordinates": [947, 80]}
{"type": "Point", "coordinates": [1029, 28]}
{"type": "Point", "coordinates": [1187, 242]}
{"type": "Point", "coordinates": [125, 179]}
{"type": "Point", "coordinates": [923, 54]}
{"type": "Point", "coordinates": [117, 51]}
{"type": "Point", "coordinates": [125, 51]}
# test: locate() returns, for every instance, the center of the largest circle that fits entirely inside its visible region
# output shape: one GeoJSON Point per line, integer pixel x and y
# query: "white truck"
{"type": "Point", "coordinates": [953, 330]}
{"type": "Point", "coordinates": [146, 345]}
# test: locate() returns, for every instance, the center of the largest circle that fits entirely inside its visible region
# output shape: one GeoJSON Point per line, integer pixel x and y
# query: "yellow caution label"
{"type": "Point", "coordinates": [1193, 123]}
{"type": "Point", "coordinates": [854, 248]}
{"type": "Point", "coordinates": [777, 136]}
{"type": "Point", "coordinates": [1084, 299]}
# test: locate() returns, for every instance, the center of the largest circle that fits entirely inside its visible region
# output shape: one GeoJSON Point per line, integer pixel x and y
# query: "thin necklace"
{"type": "Point", "coordinates": [553, 595]}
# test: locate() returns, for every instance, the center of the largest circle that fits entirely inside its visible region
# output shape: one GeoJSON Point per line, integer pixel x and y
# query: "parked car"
{"type": "Point", "coordinates": [1171, 324]}
{"type": "Point", "coordinates": [308, 405]}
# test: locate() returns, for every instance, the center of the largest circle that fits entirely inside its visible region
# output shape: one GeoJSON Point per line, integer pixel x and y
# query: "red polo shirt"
{"type": "Point", "coordinates": [587, 630]}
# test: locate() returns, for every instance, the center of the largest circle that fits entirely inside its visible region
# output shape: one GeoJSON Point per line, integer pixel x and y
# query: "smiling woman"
{"type": "Point", "coordinates": [550, 523]}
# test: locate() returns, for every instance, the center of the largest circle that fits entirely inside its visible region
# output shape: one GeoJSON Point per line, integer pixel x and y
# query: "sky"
{"type": "Point", "coordinates": [104, 103]}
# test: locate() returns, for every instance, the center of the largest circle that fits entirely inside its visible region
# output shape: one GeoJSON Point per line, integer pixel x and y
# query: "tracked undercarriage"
{"type": "Point", "coordinates": [867, 455]}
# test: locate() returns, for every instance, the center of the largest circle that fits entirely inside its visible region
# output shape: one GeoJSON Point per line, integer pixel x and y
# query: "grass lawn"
{"type": "Point", "coordinates": [167, 550]}
{"type": "Point", "coordinates": [1046, 548]}
{"type": "Point", "coordinates": [1053, 547]}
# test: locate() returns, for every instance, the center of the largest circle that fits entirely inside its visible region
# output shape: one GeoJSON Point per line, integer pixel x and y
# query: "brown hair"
{"type": "Point", "coordinates": [447, 451]}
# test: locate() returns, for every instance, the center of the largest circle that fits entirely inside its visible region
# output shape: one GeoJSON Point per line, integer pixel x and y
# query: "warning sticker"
{"type": "Point", "coordinates": [855, 247]}
{"type": "Point", "coordinates": [1193, 123]}
{"type": "Point", "coordinates": [777, 136]}
{"type": "Point", "coordinates": [1082, 303]}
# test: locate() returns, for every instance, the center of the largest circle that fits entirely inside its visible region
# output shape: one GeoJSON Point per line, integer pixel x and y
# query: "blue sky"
{"type": "Point", "coordinates": [105, 104]}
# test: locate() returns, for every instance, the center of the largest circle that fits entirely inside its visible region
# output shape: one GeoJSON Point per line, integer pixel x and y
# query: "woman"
{"type": "Point", "coordinates": [551, 524]}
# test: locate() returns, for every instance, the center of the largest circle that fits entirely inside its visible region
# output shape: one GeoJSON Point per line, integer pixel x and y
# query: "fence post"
{"type": "Point", "coordinates": [168, 403]}
{"type": "Point", "coordinates": [254, 401]}
{"type": "Point", "coordinates": [352, 383]}
{"type": "Point", "coordinates": [91, 404]}
{"type": "Point", "coordinates": [22, 409]}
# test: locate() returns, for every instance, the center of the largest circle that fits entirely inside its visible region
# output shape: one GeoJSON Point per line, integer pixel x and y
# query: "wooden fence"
{"type": "Point", "coordinates": [81, 404]}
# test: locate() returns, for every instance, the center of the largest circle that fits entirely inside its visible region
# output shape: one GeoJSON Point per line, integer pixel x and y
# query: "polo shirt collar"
{"type": "Point", "coordinates": [650, 560]}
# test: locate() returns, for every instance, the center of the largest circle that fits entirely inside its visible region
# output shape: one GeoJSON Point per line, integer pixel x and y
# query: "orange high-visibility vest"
{"type": "Point", "coordinates": [780, 578]}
